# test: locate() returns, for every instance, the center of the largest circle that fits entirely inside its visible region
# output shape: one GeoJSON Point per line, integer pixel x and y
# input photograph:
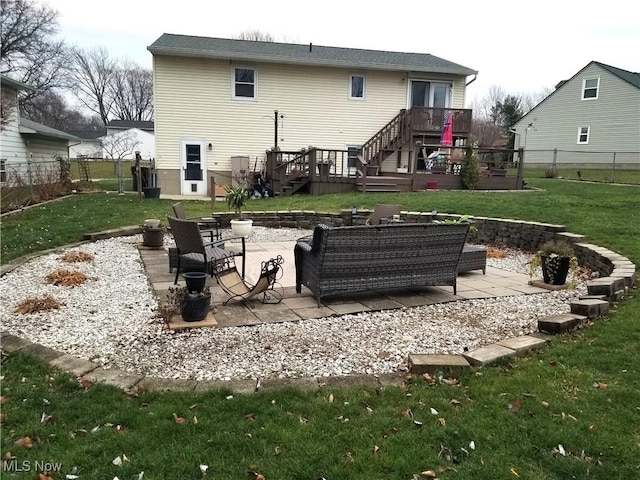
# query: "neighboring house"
{"type": "Point", "coordinates": [115, 126]}
{"type": "Point", "coordinates": [123, 144]}
{"type": "Point", "coordinates": [89, 145]}
{"type": "Point", "coordinates": [28, 149]}
{"type": "Point", "coordinates": [215, 100]}
{"type": "Point", "coordinates": [588, 118]}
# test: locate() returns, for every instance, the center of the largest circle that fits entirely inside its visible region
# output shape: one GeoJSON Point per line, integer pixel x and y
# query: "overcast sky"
{"type": "Point", "coordinates": [520, 46]}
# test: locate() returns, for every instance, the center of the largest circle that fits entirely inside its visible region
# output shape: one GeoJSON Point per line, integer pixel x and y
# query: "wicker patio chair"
{"type": "Point", "coordinates": [238, 289]}
{"type": "Point", "coordinates": [383, 212]}
{"type": "Point", "coordinates": [194, 253]}
{"type": "Point", "coordinates": [209, 226]}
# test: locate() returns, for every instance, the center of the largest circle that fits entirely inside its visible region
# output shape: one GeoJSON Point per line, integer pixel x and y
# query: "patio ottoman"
{"type": "Point", "coordinates": [473, 258]}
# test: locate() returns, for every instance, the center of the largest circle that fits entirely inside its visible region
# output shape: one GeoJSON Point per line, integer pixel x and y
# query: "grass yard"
{"type": "Point", "coordinates": [569, 411]}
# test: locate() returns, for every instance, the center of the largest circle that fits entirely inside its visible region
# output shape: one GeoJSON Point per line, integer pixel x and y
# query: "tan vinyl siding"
{"type": "Point", "coordinates": [193, 100]}
{"type": "Point", "coordinates": [613, 118]}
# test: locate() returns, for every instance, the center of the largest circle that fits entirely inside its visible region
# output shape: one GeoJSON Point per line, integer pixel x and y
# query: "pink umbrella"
{"type": "Point", "coordinates": [446, 139]}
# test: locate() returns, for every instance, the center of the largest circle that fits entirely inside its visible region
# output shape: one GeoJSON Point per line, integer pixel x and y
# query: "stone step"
{"type": "Point", "coordinates": [431, 363]}
{"type": "Point", "coordinates": [590, 308]}
{"type": "Point", "coordinates": [605, 286]}
{"type": "Point", "coordinates": [489, 354]}
{"type": "Point", "coordinates": [561, 323]}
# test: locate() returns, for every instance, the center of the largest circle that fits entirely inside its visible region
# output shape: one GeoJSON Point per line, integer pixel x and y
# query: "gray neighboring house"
{"type": "Point", "coordinates": [28, 150]}
{"type": "Point", "coordinates": [592, 119]}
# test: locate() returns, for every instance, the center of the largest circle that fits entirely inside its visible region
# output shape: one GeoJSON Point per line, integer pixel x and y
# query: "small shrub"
{"type": "Point", "coordinates": [470, 172]}
{"type": "Point", "coordinates": [551, 172]}
{"type": "Point", "coordinates": [66, 278]}
{"type": "Point", "coordinates": [75, 257]}
{"type": "Point", "coordinates": [46, 303]}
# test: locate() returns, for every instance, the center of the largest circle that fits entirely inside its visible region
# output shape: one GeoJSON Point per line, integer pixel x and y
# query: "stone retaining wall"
{"type": "Point", "coordinates": [523, 235]}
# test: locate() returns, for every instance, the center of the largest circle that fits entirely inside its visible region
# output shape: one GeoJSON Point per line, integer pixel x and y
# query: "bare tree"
{"type": "Point", "coordinates": [118, 145]}
{"type": "Point", "coordinates": [93, 74]}
{"type": "Point", "coordinates": [256, 36]}
{"type": "Point", "coordinates": [132, 92]}
{"type": "Point", "coordinates": [28, 51]}
{"type": "Point", "coordinates": [8, 107]}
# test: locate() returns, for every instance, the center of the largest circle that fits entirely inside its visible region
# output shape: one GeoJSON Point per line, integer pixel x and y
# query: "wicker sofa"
{"type": "Point", "coordinates": [339, 260]}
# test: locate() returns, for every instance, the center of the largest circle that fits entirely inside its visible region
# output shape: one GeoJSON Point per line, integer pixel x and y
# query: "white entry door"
{"type": "Point", "coordinates": [193, 178]}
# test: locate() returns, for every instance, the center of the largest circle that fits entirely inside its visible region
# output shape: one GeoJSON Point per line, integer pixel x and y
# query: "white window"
{"type": "Point", "coordinates": [244, 83]}
{"type": "Point", "coordinates": [3, 170]}
{"type": "Point", "coordinates": [356, 87]}
{"type": "Point", "coordinates": [590, 87]}
{"type": "Point", "coordinates": [583, 135]}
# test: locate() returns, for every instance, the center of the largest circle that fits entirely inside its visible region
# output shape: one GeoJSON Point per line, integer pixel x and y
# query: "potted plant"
{"type": "Point", "coordinates": [192, 306]}
{"type": "Point", "coordinates": [237, 197]}
{"type": "Point", "coordinates": [557, 260]}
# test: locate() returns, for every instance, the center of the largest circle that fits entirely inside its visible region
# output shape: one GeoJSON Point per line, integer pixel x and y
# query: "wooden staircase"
{"type": "Point", "coordinates": [292, 185]}
{"type": "Point", "coordinates": [384, 183]}
{"type": "Point", "coordinates": [388, 139]}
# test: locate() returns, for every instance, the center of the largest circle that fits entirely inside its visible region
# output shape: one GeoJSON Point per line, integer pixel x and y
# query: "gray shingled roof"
{"type": "Point", "coordinates": [34, 128]}
{"type": "Point", "coordinates": [272, 52]}
{"type": "Point", "coordinates": [630, 77]}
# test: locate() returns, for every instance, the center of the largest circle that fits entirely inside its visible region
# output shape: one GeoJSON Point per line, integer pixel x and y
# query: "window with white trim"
{"type": "Point", "coordinates": [356, 87]}
{"type": "Point", "coordinates": [590, 87]}
{"type": "Point", "coordinates": [244, 83]}
{"type": "Point", "coordinates": [583, 135]}
{"type": "Point", "coordinates": [3, 170]}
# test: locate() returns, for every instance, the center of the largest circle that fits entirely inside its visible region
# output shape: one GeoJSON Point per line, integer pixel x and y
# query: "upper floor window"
{"type": "Point", "coordinates": [590, 88]}
{"type": "Point", "coordinates": [583, 135]}
{"type": "Point", "coordinates": [356, 87]}
{"type": "Point", "coordinates": [244, 83]}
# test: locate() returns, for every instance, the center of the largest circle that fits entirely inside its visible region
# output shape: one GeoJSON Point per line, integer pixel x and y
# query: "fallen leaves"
{"type": "Point", "coordinates": [66, 278]}
{"type": "Point", "coordinates": [178, 420]}
{"type": "Point", "coordinates": [24, 442]}
{"type": "Point", "coordinates": [514, 407]}
{"type": "Point", "coordinates": [600, 385]}
{"type": "Point", "coordinates": [44, 303]}
{"type": "Point", "coordinates": [75, 257]}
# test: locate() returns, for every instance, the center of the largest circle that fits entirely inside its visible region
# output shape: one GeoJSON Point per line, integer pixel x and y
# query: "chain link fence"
{"type": "Point", "coordinates": [611, 166]}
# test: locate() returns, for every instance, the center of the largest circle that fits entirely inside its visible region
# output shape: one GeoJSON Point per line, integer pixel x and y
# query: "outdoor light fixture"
{"type": "Point", "coordinates": [210, 147]}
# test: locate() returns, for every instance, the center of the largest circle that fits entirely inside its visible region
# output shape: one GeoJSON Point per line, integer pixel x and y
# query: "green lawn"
{"type": "Point", "coordinates": [579, 396]}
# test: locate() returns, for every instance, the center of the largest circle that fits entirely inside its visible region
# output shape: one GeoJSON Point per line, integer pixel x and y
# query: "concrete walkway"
{"type": "Point", "coordinates": [495, 283]}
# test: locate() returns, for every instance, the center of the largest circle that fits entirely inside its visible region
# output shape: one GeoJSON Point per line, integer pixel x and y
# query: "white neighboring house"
{"type": "Point", "coordinates": [124, 144]}
{"type": "Point", "coordinates": [28, 150]}
{"type": "Point", "coordinates": [588, 118]}
{"type": "Point", "coordinates": [89, 145]}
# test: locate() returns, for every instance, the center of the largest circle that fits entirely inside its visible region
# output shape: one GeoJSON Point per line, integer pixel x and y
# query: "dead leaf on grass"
{"type": "Point", "coordinates": [178, 420]}
{"type": "Point", "coordinates": [514, 407]}
{"type": "Point", "coordinates": [24, 442]}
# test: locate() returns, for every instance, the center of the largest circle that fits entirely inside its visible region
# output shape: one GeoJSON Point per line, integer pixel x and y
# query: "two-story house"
{"type": "Point", "coordinates": [29, 151]}
{"type": "Point", "coordinates": [219, 99]}
{"type": "Point", "coordinates": [591, 120]}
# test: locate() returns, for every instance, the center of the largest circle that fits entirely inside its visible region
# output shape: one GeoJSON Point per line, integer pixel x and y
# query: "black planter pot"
{"type": "Point", "coordinates": [195, 307]}
{"type": "Point", "coordinates": [195, 281]}
{"type": "Point", "coordinates": [151, 192]}
{"type": "Point", "coordinates": [555, 269]}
